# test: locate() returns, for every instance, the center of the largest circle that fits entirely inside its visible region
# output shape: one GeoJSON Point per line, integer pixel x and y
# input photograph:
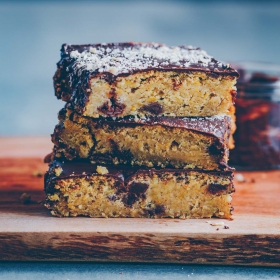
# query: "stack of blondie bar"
{"type": "Point", "coordinates": [145, 132]}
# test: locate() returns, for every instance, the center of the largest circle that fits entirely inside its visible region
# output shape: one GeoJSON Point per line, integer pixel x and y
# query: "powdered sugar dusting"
{"type": "Point", "coordinates": [125, 58]}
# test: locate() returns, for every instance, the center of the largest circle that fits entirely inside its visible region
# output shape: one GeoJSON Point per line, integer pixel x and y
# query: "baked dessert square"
{"type": "Point", "coordinates": [144, 79]}
{"type": "Point", "coordinates": [145, 132]}
{"type": "Point", "coordinates": [81, 188]}
{"type": "Point", "coordinates": [194, 142]}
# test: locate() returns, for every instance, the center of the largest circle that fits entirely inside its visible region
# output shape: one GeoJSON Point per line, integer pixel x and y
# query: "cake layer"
{"type": "Point", "coordinates": [154, 141]}
{"type": "Point", "coordinates": [144, 79]}
{"type": "Point", "coordinates": [80, 188]}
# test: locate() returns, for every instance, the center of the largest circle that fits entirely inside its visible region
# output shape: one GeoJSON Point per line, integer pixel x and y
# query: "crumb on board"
{"type": "Point", "coordinates": [253, 180]}
{"type": "Point", "coordinates": [217, 224]}
{"type": "Point", "coordinates": [240, 178]}
{"type": "Point", "coordinates": [37, 173]}
{"type": "Point", "coordinates": [25, 198]}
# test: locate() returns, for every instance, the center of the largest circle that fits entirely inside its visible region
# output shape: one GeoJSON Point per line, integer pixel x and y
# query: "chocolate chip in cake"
{"type": "Point", "coordinates": [154, 108]}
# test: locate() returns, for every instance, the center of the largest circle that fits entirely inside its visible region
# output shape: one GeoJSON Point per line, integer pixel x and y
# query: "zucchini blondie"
{"type": "Point", "coordinates": [144, 79]}
{"type": "Point", "coordinates": [145, 132]}
{"type": "Point", "coordinates": [194, 142]}
{"type": "Point", "coordinates": [81, 188]}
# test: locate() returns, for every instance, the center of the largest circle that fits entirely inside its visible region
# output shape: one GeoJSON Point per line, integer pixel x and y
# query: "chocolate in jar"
{"type": "Point", "coordinates": [257, 138]}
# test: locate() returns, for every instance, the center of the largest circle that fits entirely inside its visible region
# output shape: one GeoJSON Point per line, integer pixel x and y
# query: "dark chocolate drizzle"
{"type": "Point", "coordinates": [217, 126]}
{"type": "Point", "coordinates": [124, 174]}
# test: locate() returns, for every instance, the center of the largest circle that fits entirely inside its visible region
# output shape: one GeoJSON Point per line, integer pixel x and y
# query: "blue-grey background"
{"type": "Point", "coordinates": [33, 31]}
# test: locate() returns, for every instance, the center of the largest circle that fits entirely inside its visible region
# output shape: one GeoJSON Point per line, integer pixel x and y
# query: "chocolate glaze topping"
{"type": "Point", "coordinates": [123, 173]}
{"type": "Point", "coordinates": [126, 58]}
{"type": "Point", "coordinates": [218, 126]}
{"type": "Point", "coordinates": [215, 125]}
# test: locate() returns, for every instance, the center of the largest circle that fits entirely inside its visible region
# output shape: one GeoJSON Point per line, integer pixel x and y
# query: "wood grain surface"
{"type": "Point", "coordinates": [29, 232]}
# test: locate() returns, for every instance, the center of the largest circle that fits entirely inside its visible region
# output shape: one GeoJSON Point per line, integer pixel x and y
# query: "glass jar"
{"type": "Point", "coordinates": [257, 138]}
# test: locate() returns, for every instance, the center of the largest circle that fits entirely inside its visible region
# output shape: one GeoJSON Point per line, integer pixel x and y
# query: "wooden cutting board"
{"type": "Point", "coordinates": [29, 232]}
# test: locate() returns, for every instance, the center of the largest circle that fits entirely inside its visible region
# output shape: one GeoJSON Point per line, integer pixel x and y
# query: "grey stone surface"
{"type": "Point", "coordinates": [85, 271]}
